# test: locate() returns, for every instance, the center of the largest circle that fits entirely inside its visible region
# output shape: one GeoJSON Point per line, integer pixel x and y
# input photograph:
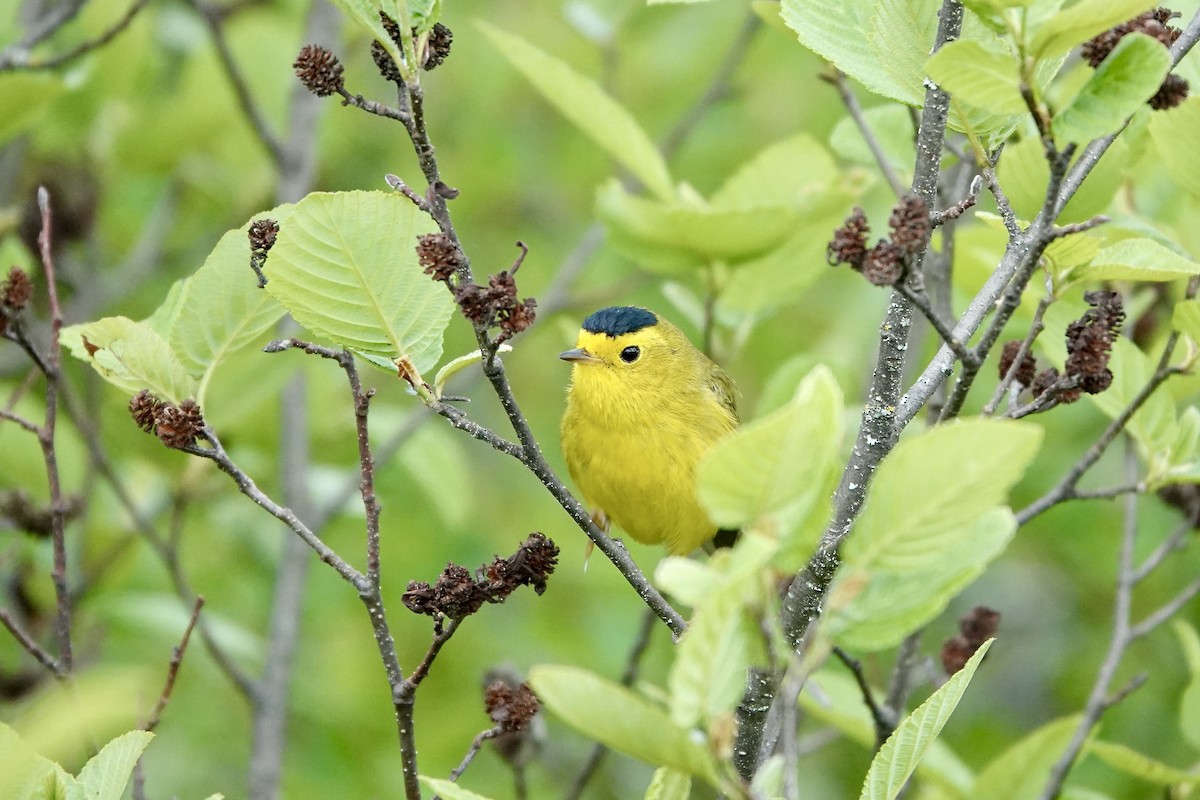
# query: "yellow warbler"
{"type": "Point", "coordinates": [643, 408]}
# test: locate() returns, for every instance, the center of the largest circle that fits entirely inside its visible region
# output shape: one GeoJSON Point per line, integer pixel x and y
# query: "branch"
{"type": "Point", "coordinates": [1179, 539]}
{"type": "Point", "coordinates": [215, 452]}
{"type": "Point", "coordinates": [16, 63]}
{"type": "Point", "coordinates": [173, 666]}
{"type": "Point", "coordinates": [883, 725]}
{"type": "Point", "coordinates": [215, 21]}
{"type": "Point", "coordinates": [476, 744]}
{"type": "Point", "coordinates": [31, 646]}
{"type": "Point", "coordinates": [41, 29]}
{"type": "Point", "coordinates": [1035, 329]}
{"type": "Point", "coordinates": [1167, 610]}
{"type": "Point", "coordinates": [920, 301]}
{"type": "Point", "coordinates": [850, 101]}
{"type": "Point", "coordinates": [403, 697]}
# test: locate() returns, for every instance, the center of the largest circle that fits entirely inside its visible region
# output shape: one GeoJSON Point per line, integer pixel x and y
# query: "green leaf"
{"type": "Point", "coordinates": [781, 175]}
{"type": "Point", "coordinates": [901, 34]}
{"type": "Point", "coordinates": [669, 784]}
{"type": "Point", "coordinates": [1176, 135]}
{"type": "Point", "coordinates": [673, 236]}
{"type": "Point", "coordinates": [1122, 84]}
{"type": "Point", "coordinates": [892, 127]}
{"type": "Point", "coordinates": [104, 776]}
{"type": "Point", "coordinates": [834, 698]}
{"type": "Point", "coordinates": [1189, 701]}
{"type": "Point", "coordinates": [1186, 318]}
{"type": "Point", "coordinates": [904, 749]}
{"type": "Point", "coordinates": [219, 309]}
{"type": "Point", "coordinates": [776, 465]}
{"type": "Point", "coordinates": [838, 32]}
{"type": "Point", "coordinates": [584, 103]}
{"type": "Point", "coordinates": [1075, 25]}
{"type": "Point", "coordinates": [448, 790]}
{"type": "Point", "coordinates": [931, 487]}
{"type": "Point", "coordinates": [1024, 175]}
{"type": "Point", "coordinates": [1133, 260]}
{"type": "Point", "coordinates": [345, 267]}
{"type": "Point", "coordinates": [366, 14]}
{"type": "Point", "coordinates": [1020, 772]}
{"type": "Point", "coordinates": [620, 719]}
{"type": "Point", "coordinates": [978, 76]}
{"type": "Point", "coordinates": [1131, 762]}
{"type": "Point", "coordinates": [708, 677]}
{"type": "Point", "coordinates": [21, 769]}
{"type": "Point", "coordinates": [130, 355]}
{"type": "Point", "coordinates": [875, 612]}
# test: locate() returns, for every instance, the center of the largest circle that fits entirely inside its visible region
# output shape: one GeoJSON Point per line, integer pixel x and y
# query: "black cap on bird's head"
{"type": "Point", "coordinates": [617, 321]}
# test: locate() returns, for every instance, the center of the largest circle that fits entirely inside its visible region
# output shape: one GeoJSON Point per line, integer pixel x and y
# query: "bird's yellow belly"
{"type": "Point", "coordinates": [642, 478]}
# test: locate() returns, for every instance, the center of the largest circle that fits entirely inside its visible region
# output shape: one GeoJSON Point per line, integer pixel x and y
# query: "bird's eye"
{"type": "Point", "coordinates": [630, 354]}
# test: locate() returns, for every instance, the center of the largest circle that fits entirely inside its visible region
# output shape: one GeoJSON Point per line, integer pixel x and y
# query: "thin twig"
{"type": "Point", "coordinates": [1035, 329]}
{"type": "Point", "coordinates": [633, 664]}
{"type": "Point", "coordinates": [1166, 610]}
{"type": "Point", "coordinates": [920, 301]}
{"type": "Point", "coordinates": [372, 107]}
{"type": "Point", "coordinates": [83, 48]}
{"type": "Point", "coordinates": [1097, 702]}
{"type": "Point", "coordinates": [1180, 538]}
{"type": "Point", "coordinates": [1061, 231]}
{"type": "Point", "coordinates": [883, 725]}
{"type": "Point", "coordinates": [53, 18]}
{"type": "Point", "coordinates": [20, 421]}
{"type": "Point", "coordinates": [476, 744]}
{"type": "Point", "coordinates": [250, 109]}
{"type": "Point", "coordinates": [854, 108]}
{"type": "Point", "coordinates": [403, 696]}
{"type": "Point", "coordinates": [958, 209]}
{"type": "Point", "coordinates": [177, 654]}
{"type": "Point", "coordinates": [31, 646]}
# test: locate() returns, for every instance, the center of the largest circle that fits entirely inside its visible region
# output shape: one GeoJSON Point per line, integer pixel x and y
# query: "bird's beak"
{"type": "Point", "coordinates": [577, 356]}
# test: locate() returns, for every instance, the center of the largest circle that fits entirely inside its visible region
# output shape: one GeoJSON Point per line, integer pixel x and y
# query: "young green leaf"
{"type": "Point", "coordinates": [902, 33]}
{"type": "Point", "coordinates": [1176, 135]}
{"type": "Point", "coordinates": [1078, 23]}
{"type": "Point", "coordinates": [838, 32]}
{"type": "Point", "coordinates": [1186, 318]}
{"type": "Point", "coordinates": [978, 76]}
{"type": "Point", "coordinates": [1020, 772]}
{"type": "Point", "coordinates": [708, 677]}
{"type": "Point", "coordinates": [1122, 84]}
{"type": "Point", "coordinates": [780, 175]}
{"type": "Point", "coordinates": [1131, 762]}
{"type": "Point", "coordinates": [904, 749]}
{"type": "Point", "coordinates": [669, 784]}
{"type": "Point", "coordinates": [1132, 260]}
{"type": "Point", "coordinates": [834, 698]}
{"type": "Point", "coordinates": [594, 111]}
{"type": "Point", "coordinates": [876, 611]}
{"type": "Point", "coordinates": [104, 776]}
{"type": "Point", "coordinates": [776, 465]}
{"type": "Point", "coordinates": [621, 719]}
{"type": "Point", "coordinates": [1189, 702]}
{"type": "Point", "coordinates": [694, 234]}
{"type": "Point", "coordinates": [345, 266]}
{"type": "Point", "coordinates": [21, 768]}
{"type": "Point", "coordinates": [450, 791]}
{"type": "Point", "coordinates": [220, 308]}
{"type": "Point", "coordinates": [130, 355]}
{"type": "Point", "coordinates": [932, 487]}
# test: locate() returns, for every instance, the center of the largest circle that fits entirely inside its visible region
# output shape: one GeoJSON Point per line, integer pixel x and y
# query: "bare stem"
{"type": "Point", "coordinates": [854, 108]}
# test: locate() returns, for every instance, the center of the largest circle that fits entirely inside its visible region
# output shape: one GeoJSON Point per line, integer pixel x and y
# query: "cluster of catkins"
{"type": "Point", "coordinates": [888, 261]}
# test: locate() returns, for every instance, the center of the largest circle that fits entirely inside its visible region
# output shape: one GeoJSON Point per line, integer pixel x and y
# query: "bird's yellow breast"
{"type": "Point", "coordinates": [633, 434]}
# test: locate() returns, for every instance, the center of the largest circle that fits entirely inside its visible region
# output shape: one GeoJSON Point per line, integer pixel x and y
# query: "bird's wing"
{"type": "Point", "coordinates": [724, 390]}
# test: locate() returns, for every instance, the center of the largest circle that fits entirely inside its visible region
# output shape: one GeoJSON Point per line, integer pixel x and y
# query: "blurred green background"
{"type": "Point", "coordinates": [143, 142]}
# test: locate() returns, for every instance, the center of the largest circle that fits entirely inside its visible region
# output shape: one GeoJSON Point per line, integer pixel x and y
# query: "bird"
{"type": "Point", "coordinates": [644, 407]}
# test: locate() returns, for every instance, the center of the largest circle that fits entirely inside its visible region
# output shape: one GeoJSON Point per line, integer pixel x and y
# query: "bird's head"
{"type": "Point", "coordinates": [625, 338]}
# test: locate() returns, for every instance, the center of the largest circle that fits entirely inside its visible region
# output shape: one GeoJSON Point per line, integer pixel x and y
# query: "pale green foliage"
{"type": "Point", "coordinates": [905, 748]}
{"type": "Point", "coordinates": [708, 677]}
{"type": "Point", "coordinates": [1186, 319]}
{"type": "Point", "coordinates": [1130, 260]}
{"type": "Point", "coordinates": [25, 775]}
{"type": "Point", "coordinates": [834, 698]}
{"type": "Point", "coordinates": [1131, 762]}
{"type": "Point", "coordinates": [1020, 772]}
{"type": "Point", "coordinates": [932, 523]}
{"type": "Point", "coordinates": [621, 719]}
{"type": "Point", "coordinates": [346, 269]}
{"type": "Point", "coordinates": [777, 466]}
{"type": "Point", "coordinates": [1176, 135]}
{"type": "Point", "coordinates": [1121, 85]}
{"type": "Point", "coordinates": [583, 102]}
{"type": "Point", "coordinates": [1189, 702]}
{"type": "Point", "coordinates": [25, 98]}
{"type": "Point", "coordinates": [669, 784]}
{"type": "Point", "coordinates": [1076, 24]}
{"type": "Point", "coordinates": [131, 356]}
{"type": "Point", "coordinates": [980, 76]}
{"type": "Point", "coordinates": [450, 790]}
{"type": "Point", "coordinates": [205, 318]}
